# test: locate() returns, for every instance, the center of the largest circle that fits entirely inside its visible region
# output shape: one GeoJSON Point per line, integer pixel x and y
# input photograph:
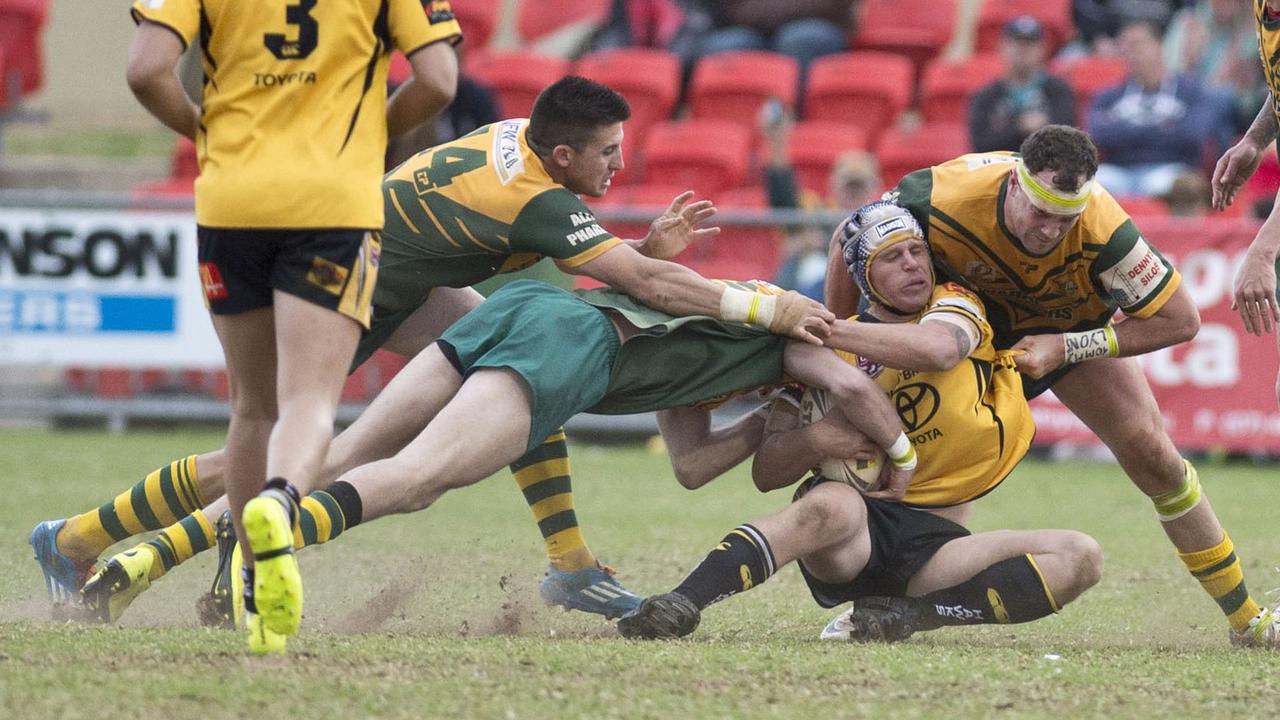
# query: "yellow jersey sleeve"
{"type": "Point", "coordinates": [417, 23]}
{"type": "Point", "coordinates": [952, 299]}
{"type": "Point", "coordinates": [180, 16]}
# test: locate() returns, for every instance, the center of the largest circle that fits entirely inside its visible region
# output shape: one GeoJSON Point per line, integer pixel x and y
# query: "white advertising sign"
{"type": "Point", "coordinates": [99, 288]}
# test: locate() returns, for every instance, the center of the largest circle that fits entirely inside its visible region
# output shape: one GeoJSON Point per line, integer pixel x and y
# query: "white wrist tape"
{"type": "Point", "coordinates": [1090, 344]}
{"type": "Point", "coordinates": [902, 453]}
{"type": "Point", "coordinates": [752, 308]}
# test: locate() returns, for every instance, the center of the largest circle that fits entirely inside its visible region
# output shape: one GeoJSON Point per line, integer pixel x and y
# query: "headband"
{"type": "Point", "coordinates": [1050, 199]}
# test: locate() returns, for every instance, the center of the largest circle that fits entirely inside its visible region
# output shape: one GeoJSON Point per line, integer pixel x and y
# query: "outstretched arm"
{"type": "Point", "coordinates": [1240, 161]}
{"type": "Point", "coordinates": [677, 228]}
{"type": "Point", "coordinates": [678, 290]}
{"type": "Point", "coordinates": [935, 343]}
{"type": "Point", "coordinates": [698, 453]}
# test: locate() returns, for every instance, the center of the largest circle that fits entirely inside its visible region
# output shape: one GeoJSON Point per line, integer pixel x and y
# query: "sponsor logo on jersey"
{"type": "Point", "coordinates": [870, 367]}
{"type": "Point", "coordinates": [916, 404]}
{"type": "Point", "coordinates": [154, 4]}
{"type": "Point", "coordinates": [281, 79]}
{"type": "Point", "coordinates": [509, 162]}
{"type": "Point", "coordinates": [587, 233]}
{"type": "Point", "coordinates": [211, 282]}
{"type": "Point", "coordinates": [328, 276]}
{"type": "Point", "coordinates": [980, 161]}
{"type": "Point", "coordinates": [438, 11]}
{"type": "Point", "coordinates": [1138, 274]}
{"type": "Point", "coordinates": [582, 218]}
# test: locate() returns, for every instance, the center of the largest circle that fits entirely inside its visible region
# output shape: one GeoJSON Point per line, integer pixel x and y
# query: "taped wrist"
{"type": "Point", "coordinates": [902, 453]}
{"type": "Point", "coordinates": [752, 308]}
{"type": "Point", "coordinates": [1090, 344]}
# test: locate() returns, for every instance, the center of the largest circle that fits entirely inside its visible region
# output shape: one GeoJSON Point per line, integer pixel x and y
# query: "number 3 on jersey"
{"type": "Point", "coordinates": [447, 163]}
{"type": "Point", "coordinates": [308, 32]}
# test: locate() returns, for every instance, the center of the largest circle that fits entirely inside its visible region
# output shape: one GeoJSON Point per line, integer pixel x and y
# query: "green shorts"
{"type": "Point", "coordinates": [562, 347]}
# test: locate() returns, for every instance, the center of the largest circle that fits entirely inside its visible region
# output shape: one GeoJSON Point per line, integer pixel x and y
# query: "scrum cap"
{"type": "Point", "coordinates": [869, 231]}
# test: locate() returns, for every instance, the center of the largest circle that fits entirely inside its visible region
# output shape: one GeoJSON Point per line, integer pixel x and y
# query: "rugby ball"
{"type": "Point", "coordinates": [861, 474]}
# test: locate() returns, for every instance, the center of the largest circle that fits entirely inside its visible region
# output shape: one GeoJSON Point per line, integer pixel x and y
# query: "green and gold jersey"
{"type": "Point", "coordinates": [293, 125]}
{"type": "Point", "coordinates": [1269, 51]}
{"type": "Point", "coordinates": [970, 425]}
{"type": "Point", "coordinates": [1103, 263]}
{"type": "Point", "coordinates": [469, 209]}
{"type": "Point", "coordinates": [693, 360]}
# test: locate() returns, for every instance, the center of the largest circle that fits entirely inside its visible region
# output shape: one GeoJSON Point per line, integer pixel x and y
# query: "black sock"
{"type": "Point", "coordinates": [285, 493]}
{"type": "Point", "coordinates": [740, 562]}
{"type": "Point", "coordinates": [348, 501]}
{"type": "Point", "coordinates": [1010, 591]}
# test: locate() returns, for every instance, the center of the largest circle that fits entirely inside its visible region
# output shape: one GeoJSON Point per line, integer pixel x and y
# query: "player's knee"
{"type": "Point", "coordinates": [1085, 557]}
{"type": "Point", "coordinates": [830, 515]}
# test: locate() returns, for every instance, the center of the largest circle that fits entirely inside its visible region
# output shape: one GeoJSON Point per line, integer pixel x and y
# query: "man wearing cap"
{"type": "Point", "coordinates": [1025, 99]}
{"type": "Point", "coordinates": [1053, 256]}
{"type": "Point", "coordinates": [908, 565]}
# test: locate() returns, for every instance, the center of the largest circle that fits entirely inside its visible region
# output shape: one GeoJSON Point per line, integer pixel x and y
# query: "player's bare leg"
{"type": "Point", "coordinates": [483, 427]}
{"type": "Point", "coordinates": [1127, 419]}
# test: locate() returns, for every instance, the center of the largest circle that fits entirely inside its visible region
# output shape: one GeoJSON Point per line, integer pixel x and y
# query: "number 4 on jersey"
{"type": "Point", "coordinates": [447, 163]}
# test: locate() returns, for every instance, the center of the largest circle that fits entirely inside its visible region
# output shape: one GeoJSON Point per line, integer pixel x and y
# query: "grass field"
{"type": "Point", "coordinates": [436, 614]}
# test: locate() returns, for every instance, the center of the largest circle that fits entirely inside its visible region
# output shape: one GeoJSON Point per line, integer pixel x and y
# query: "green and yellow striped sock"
{"type": "Point", "coordinates": [543, 477]}
{"type": "Point", "coordinates": [326, 514]}
{"type": "Point", "coordinates": [1218, 570]}
{"type": "Point", "coordinates": [167, 494]}
{"type": "Point", "coordinates": [180, 542]}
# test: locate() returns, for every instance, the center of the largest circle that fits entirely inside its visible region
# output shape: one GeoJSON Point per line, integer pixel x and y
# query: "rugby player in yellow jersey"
{"type": "Point", "coordinates": [291, 131]}
{"type": "Point", "coordinates": [496, 200]}
{"type": "Point", "coordinates": [910, 565]}
{"type": "Point", "coordinates": [1053, 256]}
{"type": "Point", "coordinates": [1255, 282]}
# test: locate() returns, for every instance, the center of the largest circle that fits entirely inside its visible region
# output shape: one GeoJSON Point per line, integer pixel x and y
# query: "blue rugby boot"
{"type": "Point", "coordinates": [590, 590]}
{"type": "Point", "coordinates": [63, 577]}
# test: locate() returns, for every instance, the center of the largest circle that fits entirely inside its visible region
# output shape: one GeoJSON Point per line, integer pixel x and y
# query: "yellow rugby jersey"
{"type": "Point", "coordinates": [469, 209]}
{"type": "Point", "coordinates": [293, 125]}
{"type": "Point", "coordinates": [1103, 262]}
{"type": "Point", "coordinates": [1269, 52]}
{"type": "Point", "coordinates": [971, 424]}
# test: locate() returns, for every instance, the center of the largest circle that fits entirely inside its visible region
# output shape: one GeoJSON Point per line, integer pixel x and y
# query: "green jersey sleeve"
{"type": "Point", "coordinates": [557, 224]}
{"type": "Point", "coordinates": [915, 193]}
{"type": "Point", "coordinates": [1133, 273]}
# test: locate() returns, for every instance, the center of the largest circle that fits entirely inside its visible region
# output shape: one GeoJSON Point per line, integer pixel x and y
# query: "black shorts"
{"type": "Point", "coordinates": [335, 269]}
{"type": "Point", "coordinates": [903, 539]}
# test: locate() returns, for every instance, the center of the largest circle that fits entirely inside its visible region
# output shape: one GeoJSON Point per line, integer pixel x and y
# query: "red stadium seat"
{"type": "Point", "coordinates": [648, 79]}
{"type": "Point", "coordinates": [706, 156]}
{"type": "Point", "coordinates": [947, 86]}
{"type": "Point", "coordinates": [1088, 75]}
{"type": "Point", "coordinates": [21, 23]}
{"type": "Point", "coordinates": [477, 18]}
{"type": "Point", "coordinates": [517, 77]}
{"type": "Point", "coordinates": [537, 19]}
{"type": "Point", "coordinates": [1054, 15]}
{"type": "Point", "coordinates": [918, 29]}
{"type": "Point", "coordinates": [867, 89]}
{"type": "Point", "coordinates": [901, 152]}
{"type": "Point", "coordinates": [814, 147]}
{"type": "Point", "coordinates": [733, 86]}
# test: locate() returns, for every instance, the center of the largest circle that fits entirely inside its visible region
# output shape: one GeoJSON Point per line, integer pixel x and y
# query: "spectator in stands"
{"type": "Point", "coordinates": [658, 24]}
{"type": "Point", "coordinates": [1025, 99]}
{"type": "Point", "coordinates": [1156, 123]}
{"type": "Point", "coordinates": [803, 29]}
{"type": "Point", "coordinates": [1189, 196]}
{"type": "Point", "coordinates": [1099, 22]}
{"type": "Point", "coordinates": [854, 182]}
{"type": "Point", "coordinates": [1216, 41]}
{"type": "Point", "coordinates": [473, 106]}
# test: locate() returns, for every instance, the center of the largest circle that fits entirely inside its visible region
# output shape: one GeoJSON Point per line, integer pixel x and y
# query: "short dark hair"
{"type": "Point", "coordinates": [1065, 150]}
{"type": "Point", "coordinates": [570, 110]}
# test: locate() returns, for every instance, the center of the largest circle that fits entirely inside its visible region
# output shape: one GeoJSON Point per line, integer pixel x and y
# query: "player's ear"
{"type": "Point", "coordinates": [562, 155]}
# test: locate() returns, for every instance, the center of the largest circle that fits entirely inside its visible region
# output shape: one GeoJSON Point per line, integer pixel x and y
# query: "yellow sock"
{"type": "Point", "coordinates": [1218, 570]}
{"type": "Point", "coordinates": [543, 477]}
{"type": "Point", "coordinates": [166, 494]}
{"type": "Point", "coordinates": [180, 542]}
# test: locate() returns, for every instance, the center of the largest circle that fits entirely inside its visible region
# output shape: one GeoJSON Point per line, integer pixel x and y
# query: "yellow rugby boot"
{"type": "Point", "coordinates": [113, 588]}
{"type": "Point", "coordinates": [277, 583]}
